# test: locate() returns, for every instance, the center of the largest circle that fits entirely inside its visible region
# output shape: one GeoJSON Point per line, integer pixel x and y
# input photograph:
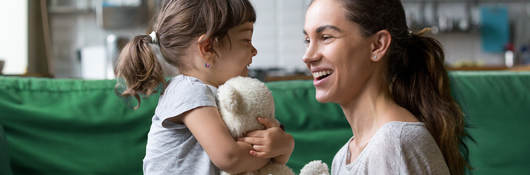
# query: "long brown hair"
{"type": "Point", "coordinates": [178, 23]}
{"type": "Point", "coordinates": [416, 76]}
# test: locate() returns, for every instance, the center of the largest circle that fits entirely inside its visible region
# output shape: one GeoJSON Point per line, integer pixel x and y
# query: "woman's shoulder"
{"type": "Point", "coordinates": [403, 130]}
{"type": "Point", "coordinates": [409, 148]}
{"type": "Point", "coordinates": [403, 135]}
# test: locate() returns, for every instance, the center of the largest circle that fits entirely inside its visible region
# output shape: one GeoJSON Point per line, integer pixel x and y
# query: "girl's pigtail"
{"type": "Point", "coordinates": [140, 68]}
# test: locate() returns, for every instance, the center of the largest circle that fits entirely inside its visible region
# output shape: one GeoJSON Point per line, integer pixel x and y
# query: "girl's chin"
{"type": "Point", "coordinates": [244, 73]}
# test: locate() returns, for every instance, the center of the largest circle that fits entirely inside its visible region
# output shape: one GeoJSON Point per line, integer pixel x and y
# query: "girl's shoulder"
{"type": "Point", "coordinates": [182, 94]}
{"type": "Point", "coordinates": [182, 85]}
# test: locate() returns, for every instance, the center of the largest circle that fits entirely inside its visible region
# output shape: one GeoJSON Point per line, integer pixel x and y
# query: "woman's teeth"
{"type": "Point", "coordinates": [321, 74]}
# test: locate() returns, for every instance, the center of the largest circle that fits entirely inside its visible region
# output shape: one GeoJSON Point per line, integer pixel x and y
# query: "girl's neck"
{"type": "Point", "coordinates": [201, 76]}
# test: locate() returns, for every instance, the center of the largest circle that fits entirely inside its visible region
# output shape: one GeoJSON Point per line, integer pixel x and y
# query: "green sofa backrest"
{"type": "Point", "coordinates": [5, 166]}
{"type": "Point", "coordinates": [58, 126]}
{"type": "Point", "coordinates": [497, 108]}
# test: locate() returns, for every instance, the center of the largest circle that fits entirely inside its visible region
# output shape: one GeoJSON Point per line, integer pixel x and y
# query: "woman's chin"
{"type": "Point", "coordinates": [322, 97]}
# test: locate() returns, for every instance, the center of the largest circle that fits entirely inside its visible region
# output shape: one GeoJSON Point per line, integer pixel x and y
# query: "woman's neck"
{"type": "Point", "coordinates": [370, 110]}
{"type": "Point", "coordinates": [366, 113]}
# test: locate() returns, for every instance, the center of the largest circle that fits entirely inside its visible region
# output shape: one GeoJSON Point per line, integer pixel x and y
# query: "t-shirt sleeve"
{"type": "Point", "coordinates": [421, 153]}
{"type": "Point", "coordinates": [406, 150]}
{"type": "Point", "coordinates": [179, 98]}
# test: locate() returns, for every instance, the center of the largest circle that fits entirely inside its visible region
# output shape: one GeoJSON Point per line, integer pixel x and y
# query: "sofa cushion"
{"type": "Point", "coordinates": [5, 167]}
{"type": "Point", "coordinates": [61, 126]}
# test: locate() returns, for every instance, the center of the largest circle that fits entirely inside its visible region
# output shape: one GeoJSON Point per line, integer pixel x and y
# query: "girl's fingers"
{"type": "Point", "coordinates": [258, 154]}
{"type": "Point", "coordinates": [258, 148]}
{"type": "Point", "coordinates": [268, 122]}
{"type": "Point", "coordinates": [256, 133]}
{"type": "Point", "coordinates": [251, 140]}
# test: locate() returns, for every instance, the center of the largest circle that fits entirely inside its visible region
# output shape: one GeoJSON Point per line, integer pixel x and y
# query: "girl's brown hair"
{"type": "Point", "coordinates": [416, 76]}
{"type": "Point", "coordinates": [178, 23]}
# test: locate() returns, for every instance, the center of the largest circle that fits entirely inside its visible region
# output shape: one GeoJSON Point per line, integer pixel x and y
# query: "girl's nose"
{"type": "Point", "coordinates": [254, 51]}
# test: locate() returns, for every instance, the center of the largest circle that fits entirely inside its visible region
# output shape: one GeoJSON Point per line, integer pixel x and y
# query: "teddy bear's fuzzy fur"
{"type": "Point", "coordinates": [241, 100]}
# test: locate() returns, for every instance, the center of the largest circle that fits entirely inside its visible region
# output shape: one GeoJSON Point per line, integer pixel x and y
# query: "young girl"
{"type": "Point", "coordinates": [209, 42]}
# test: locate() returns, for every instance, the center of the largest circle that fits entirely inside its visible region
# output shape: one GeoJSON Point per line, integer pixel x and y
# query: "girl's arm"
{"type": "Point", "coordinates": [206, 124]}
{"type": "Point", "coordinates": [273, 142]}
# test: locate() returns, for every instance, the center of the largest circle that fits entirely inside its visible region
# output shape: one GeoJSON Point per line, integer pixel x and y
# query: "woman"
{"type": "Point", "coordinates": [391, 85]}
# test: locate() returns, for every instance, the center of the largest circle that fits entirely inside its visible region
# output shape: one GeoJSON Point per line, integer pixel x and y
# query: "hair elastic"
{"type": "Point", "coordinates": [154, 40]}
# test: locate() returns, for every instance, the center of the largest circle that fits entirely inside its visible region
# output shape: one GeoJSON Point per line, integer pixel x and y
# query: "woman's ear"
{"type": "Point", "coordinates": [206, 48]}
{"type": "Point", "coordinates": [380, 45]}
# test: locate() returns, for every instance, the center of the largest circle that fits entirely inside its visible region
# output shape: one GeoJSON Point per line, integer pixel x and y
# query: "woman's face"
{"type": "Point", "coordinates": [337, 54]}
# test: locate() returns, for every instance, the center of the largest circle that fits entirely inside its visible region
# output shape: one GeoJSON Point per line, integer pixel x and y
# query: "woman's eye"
{"type": "Point", "coordinates": [326, 37]}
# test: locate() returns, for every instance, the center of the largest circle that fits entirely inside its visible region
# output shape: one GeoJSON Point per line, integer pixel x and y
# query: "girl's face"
{"type": "Point", "coordinates": [337, 54]}
{"type": "Point", "coordinates": [235, 53]}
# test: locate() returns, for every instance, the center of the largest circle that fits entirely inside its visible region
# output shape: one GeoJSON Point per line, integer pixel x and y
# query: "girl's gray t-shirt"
{"type": "Point", "coordinates": [396, 148]}
{"type": "Point", "coordinates": [171, 147]}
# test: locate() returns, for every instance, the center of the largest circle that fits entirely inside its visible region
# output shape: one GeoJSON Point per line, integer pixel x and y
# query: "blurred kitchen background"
{"type": "Point", "coordinates": [82, 38]}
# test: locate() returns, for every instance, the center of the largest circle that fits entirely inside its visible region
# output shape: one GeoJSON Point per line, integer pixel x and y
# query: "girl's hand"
{"type": "Point", "coordinates": [271, 142]}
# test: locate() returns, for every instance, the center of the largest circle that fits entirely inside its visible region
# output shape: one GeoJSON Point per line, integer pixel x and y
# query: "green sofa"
{"type": "Point", "coordinates": [59, 126]}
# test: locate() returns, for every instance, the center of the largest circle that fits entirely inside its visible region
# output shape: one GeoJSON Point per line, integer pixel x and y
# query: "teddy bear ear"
{"type": "Point", "coordinates": [232, 99]}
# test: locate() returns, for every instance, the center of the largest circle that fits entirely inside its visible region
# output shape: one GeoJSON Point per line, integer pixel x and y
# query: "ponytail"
{"type": "Point", "coordinates": [140, 68]}
{"type": "Point", "coordinates": [419, 82]}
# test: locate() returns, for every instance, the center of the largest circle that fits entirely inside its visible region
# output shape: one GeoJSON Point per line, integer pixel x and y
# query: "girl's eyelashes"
{"type": "Point", "coordinates": [306, 40]}
{"type": "Point", "coordinates": [248, 41]}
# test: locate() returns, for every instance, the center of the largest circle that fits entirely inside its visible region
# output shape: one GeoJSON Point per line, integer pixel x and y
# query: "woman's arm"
{"type": "Point", "coordinates": [206, 124]}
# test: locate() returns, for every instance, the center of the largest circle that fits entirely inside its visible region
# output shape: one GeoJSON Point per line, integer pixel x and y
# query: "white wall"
{"type": "Point", "coordinates": [14, 39]}
{"type": "Point", "coordinates": [279, 39]}
{"type": "Point", "coordinates": [278, 33]}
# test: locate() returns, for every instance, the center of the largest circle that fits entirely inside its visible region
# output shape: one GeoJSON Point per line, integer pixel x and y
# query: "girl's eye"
{"type": "Point", "coordinates": [306, 40]}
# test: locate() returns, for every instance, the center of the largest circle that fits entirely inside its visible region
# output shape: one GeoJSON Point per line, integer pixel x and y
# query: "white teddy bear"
{"type": "Point", "coordinates": [241, 101]}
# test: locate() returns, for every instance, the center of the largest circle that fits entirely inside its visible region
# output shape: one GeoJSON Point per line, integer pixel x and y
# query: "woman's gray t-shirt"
{"type": "Point", "coordinates": [171, 148]}
{"type": "Point", "coordinates": [396, 148]}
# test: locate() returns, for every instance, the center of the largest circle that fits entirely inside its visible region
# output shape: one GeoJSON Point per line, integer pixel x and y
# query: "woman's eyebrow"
{"type": "Point", "coordinates": [324, 27]}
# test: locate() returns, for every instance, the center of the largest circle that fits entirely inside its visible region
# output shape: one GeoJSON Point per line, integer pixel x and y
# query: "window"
{"type": "Point", "coordinates": [14, 40]}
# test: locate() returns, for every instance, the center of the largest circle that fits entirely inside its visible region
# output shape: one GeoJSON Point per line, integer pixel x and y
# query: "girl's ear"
{"type": "Point", "coordinates": [231, 99]}
{"type": "Point", "coordinates": [380, 45]}
{"type": "Point", "coordinates": [206, 48]}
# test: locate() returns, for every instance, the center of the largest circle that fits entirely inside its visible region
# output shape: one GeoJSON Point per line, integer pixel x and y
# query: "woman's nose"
{"type": "Point", "coordinates": [311, 54]}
